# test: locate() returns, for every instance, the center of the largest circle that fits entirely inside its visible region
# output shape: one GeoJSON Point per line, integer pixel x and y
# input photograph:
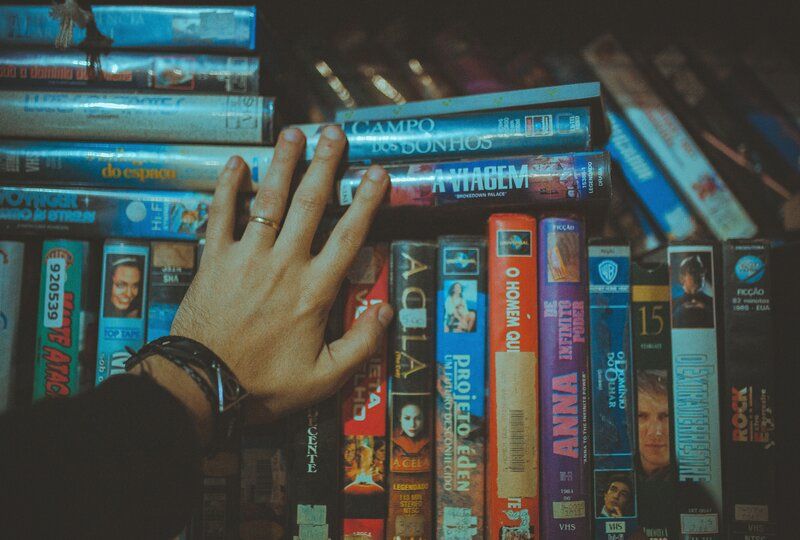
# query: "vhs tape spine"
{"type": "Point", "coordinates": [124, 165]}
{"type": "Point", "coordinates": [413, 344]}
{"type": "Point", "coordinates": [748, 99]}
{"type": "Point", "coordinates": [123, 305]}
{"type": "Point", "coordinates": [565, 179]}
{"type": "Point", "coordinates": [363, 407]}
{"type": "Point", "coordinates": [566, 479]}
{"type": "Point", "coordinates": [748, 389]}
{"type": "Point", "coordinates": [461, 387]}
{"type": "Point", "coordinates": [613, 409]}
{"type": "Point", "coordinates": [693, 174]}
{"type": "Point", "coordinates": [483, 133]}
{"type": "Point", "coordinates": [512, 478]}
{"type": "Point", "coordinates": [151, 117]}
{"type": "Point", "coordinates": [656, 479]}
{"type": "Point", "coordinates": [63, 298]}
{"type": "Point", "coordinates": [695, 376]}
{"type": "Point", "coordinates": [87, 213]}
{"type": "Point", "coordinates": [728, 145]}
{"type": "Point", "coordinates": [172, 268]}
{"type": "Point", "coordinates": [130, 71]}
{"type": "Point", "coordinates": [552, 96]}
{"type": "Point", "coordinates": [12, 256]}
{"type": "Point", "coordinates": [139, 26]}
{"type": "Point", "coordinates": [314, 472]}
{"type": "Point", "coordinates": [264, 481]}
{"type": "Point", "coordinates": [644, 175]}
{"type": "Point", "coordinates": [217, 517]}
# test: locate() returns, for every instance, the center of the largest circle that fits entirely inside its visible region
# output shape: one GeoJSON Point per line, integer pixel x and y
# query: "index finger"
{"type": "Point", "coordinates": [350, 232]}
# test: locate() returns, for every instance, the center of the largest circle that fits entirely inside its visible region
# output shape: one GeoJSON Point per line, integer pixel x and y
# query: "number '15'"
{"type": "Point", "coordinates": [655, 319]}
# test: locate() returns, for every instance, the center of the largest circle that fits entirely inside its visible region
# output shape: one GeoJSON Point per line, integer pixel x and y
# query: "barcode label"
{"type": "Point", "coordinates": [56, 275]}
{"type": "Point", "coordinates": [517, 475]}
{"type": "Point", "coordinates": [516, 441]}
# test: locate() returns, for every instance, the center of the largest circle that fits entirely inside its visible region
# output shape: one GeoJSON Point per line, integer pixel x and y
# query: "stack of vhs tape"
{"type": "Point", "coordinates": [567, 360]}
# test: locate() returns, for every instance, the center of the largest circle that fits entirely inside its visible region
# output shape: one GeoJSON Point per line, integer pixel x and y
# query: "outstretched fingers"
{"type": "Point", "coordinates": [350, 232]}
{"type": "Point", "coordinates": [312, 195]}
{"type": "Point", "coordinates": [222, 214]}
{"type": "Point", "coordinates": [270, 200]}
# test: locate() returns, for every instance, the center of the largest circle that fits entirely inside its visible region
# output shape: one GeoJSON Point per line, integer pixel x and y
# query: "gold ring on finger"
{"type": "Point", "coordinates": [265, 221]}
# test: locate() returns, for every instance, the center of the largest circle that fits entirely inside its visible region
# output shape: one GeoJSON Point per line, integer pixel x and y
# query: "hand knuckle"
{"type": "Point", "coordinates": [349, 238]}
{"type": "Point", "coordinates": [308, 204]}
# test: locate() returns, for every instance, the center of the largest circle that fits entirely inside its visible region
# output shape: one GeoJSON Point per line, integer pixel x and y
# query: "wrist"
{"type": "Point", "coordinates": [177, 382]}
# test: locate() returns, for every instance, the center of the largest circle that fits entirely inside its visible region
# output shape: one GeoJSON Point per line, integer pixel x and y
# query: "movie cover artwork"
{"type": "Point", "coordinates": [460, 306]}
{"type": "Point", "coordinates": [655, 469]}
{"type": "Point", "coordinates": [692, 290]}
{"type": "Point", "coordinates": [364, 461]}
{"type": "Point", "coordinates": [411, 430]}
{"type": "Point", "coordinates": [614, 497]}
{"type": "Point", "coordinates": [563, 257]}
{"type": "Point", "coordinates": [124, 283]}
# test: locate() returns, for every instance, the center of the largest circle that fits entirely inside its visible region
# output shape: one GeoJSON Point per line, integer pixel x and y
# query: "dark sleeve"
{"type": "Point", "coordinates": [120, 461]}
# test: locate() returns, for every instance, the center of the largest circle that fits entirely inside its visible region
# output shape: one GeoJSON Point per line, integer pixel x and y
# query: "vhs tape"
{"type": "Point", "coordinates": [139, 26]}
{"type": "Point", "coordinates": [656, 475]}
{"type": "Point", "coordinates": [102, 213]}
{"type": "Point", "coordinates": [566, 475]}
{"type": "Point", "coordinates": [363, 407]}
{"type": "Point", "coordinates": [748, 389]}
{"type": "Point", "coordinates": [123, 305]}
{"type": "Point", "coordinates": [190, 167]}
{"type": "Point", "coordinates": [12, 256]}
{"type": "Point", "coordinates": [161, 72]}
{"type": "Point", "coordinates": [150, 117]}
{"type": "Point", "coordinates": [483, 133]}
{"type": "Point", "coordinates": [613, 406]}
{"type": "Point", "coordinates": [695, 376]}
{"type": "Point", "coordinates": [461, 340]}
{"type": "Point", "coordinates": [512, 479]}
{"type": "Point", "coordinates": [62, 337]}
{"type": "Point", "coordinates": [697, 180]}
{"type": "Point", "coordinates": [549, 180]}
{"type": "Point", "coordinates": [413, 349]}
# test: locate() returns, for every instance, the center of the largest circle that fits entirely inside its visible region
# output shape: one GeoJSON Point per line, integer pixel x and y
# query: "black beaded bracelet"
{"type": "Point", "coordinates": [221, 387]}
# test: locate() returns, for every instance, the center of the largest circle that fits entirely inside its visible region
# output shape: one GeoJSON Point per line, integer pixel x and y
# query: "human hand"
{"type": "Point", "coordinates": [262, 303]}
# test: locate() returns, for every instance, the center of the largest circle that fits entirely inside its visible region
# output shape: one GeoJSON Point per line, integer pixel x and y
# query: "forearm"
{"type": "Point", "coordinates": [121, 461]}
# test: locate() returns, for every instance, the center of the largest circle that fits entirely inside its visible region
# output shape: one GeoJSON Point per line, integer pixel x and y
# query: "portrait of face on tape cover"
{"type": "Point", "coordinates": [124, 282]}
{"type": "Point", "coordinates": [692, 290]}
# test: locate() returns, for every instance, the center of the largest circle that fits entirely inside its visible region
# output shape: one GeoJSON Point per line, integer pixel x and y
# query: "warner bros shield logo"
{"type": "Point", "coordinates": [608, 271]}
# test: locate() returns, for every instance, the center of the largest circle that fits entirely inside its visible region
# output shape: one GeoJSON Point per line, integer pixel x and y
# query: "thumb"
{"type": "Point", "coordinates": [339, 360]}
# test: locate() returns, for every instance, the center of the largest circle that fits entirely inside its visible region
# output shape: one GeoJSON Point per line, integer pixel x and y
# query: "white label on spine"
{"type": "Point", "coordinates": [345, 193]}
{"type": "Point", "coordinates": [666, 136]}
{"type": "Point", "coordinates": [56, 275]}
{"type": "Point", "coordinates": [751, 512]}
{"type": "Point", "coordinates": [699, 524]}
{"type": "Point", "coordinates": [413, 317]}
